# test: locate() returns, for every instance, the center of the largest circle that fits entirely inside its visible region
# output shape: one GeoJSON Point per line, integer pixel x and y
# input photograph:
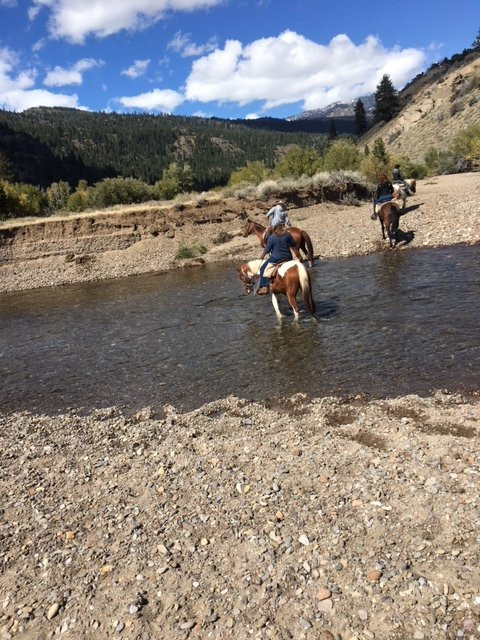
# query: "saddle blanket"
{"type": "Point", "coordinates": [283, 267]}
{"type": "Point", "coordinates": [378, 207]}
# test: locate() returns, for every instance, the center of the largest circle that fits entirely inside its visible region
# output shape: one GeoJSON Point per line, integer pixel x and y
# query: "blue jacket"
{"type": "Point", "coordinates": [279, 247]}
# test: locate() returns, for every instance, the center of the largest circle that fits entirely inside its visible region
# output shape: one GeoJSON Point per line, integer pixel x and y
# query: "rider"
{"type": "Point", "coordinates": [277, 215]}
{"type": "Point", "coordinates": [279, 246]}
{"type": "Point", "coordinates": [384, 193]}
{"type": "Point", "coordinates": [397, 178]}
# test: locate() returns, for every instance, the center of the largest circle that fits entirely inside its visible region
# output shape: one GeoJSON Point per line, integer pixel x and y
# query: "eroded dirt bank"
{"type": "Point", "coordinates": [444, 211]}
{"type": "Point", "coordinates": [317, 519]}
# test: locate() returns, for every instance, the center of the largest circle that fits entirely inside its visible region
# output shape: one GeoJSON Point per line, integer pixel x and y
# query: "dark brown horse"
{"type": "Point", "coordinates": [301, 238]}
{"type": "Point", "coordinates": [290, 277]}
{"type": "Point", "coordinates": [388, 214]}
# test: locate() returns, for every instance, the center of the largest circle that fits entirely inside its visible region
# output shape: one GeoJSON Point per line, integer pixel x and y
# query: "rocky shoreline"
{"type": "Point", "coordinates": [305, 519]}
{"type": "Point", "coordinates": [103, 245]}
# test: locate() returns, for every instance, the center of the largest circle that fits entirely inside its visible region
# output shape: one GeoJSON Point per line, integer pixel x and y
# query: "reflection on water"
{"type": "Point", "coordinates": [389, 324]}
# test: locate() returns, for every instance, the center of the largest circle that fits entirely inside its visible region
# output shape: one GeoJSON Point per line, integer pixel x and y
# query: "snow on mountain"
{"type": "Point", "coordinates": [341, 109]}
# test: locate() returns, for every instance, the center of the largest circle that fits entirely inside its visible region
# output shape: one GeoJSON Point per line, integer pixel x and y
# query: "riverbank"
{"type": "Point", "coordinates": [112, 244]}
{"type": "Point", "coordinates": [303, 519]}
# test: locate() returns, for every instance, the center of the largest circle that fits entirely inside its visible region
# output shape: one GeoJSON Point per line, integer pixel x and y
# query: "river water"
{"type": "Point", "coordinates": [388, 324]}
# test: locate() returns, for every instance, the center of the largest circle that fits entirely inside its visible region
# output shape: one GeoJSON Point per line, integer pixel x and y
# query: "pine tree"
{"type": "Point", "coordinates": [476, 42]}
{"type": "Point", "coordinates": [360, 118]}
{"type": "Point", "coordinates": [332, 132]}
{"type": "Point", "coordinates": [387, 103]}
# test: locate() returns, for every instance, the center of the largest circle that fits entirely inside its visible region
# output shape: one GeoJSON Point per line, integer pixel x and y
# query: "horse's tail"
{"type": "Point", "coordinates": [309, 246]}
{"type": "Point", "coordinates": [306, 287]}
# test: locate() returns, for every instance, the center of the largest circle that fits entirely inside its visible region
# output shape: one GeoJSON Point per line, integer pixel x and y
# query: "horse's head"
{"type": "Point", "coordinates": [247, 279]}
{"type": "Point", "coordinates": [248, 228]}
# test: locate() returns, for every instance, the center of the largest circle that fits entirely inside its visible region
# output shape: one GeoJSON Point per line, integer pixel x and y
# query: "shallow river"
{"type": "Point", "coordinates": [389, 324]}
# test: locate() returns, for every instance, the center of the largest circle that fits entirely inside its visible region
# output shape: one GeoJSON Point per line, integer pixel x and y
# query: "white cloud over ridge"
{"type": "Point", "coordinates": [74, 20]}
{"type": "Point", "coordinates": [162, 100]}
{"type": "Point", "coordinates": [17, 92]}
{"type": "Point", "coordinates": [137, 69]}
{"type": "Point", "coordinates": [182, 43]}
{"type": "Point", "coordinates": [290, 68]}
{"type": "Point", "coordinates": [61, 76]}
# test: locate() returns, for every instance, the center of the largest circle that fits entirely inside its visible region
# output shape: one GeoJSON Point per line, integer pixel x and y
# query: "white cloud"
{"type": "Point", "coordinates": [137, 69]}
{"type": "Point", "coordinates": [290, 68]}
{"type": "Point", "coordinates": [77, 19]}
{"type": "Point", "coordinates": [9, 4]}
{"type": "Point", "coordinates": [252, 116]}
{"type": "Point", "coordinates": [38, 45]}
{"type": "Point", "coordinates": [164, 100]}
{"type": "Point", "coordinates": [61, 76]}
{"type": "Point", "coordinates": [181, 43]}
{"type": "Point", "coordinates": [17, 92]}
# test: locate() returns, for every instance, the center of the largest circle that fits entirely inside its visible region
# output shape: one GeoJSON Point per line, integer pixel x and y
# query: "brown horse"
{"type": "Point", "coordinates": [388, 214]}
{"type": "Point", "coordinates": [301, 238]}
{"type": "Point", "coordinates": [288, 279]}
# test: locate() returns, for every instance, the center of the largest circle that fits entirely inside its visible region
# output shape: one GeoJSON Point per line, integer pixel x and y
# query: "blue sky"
{"type": "Point", "coordinates": [225, 58]}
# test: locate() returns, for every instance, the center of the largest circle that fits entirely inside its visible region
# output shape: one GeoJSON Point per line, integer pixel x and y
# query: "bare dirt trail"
{"type": "Point", "coordinates": [101, 245]}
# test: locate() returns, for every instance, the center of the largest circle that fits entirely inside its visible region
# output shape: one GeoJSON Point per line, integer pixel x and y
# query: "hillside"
{"type": "Point", "coordinates": [44, 145]}
{"type": "Point", "coordinates": [438, 104]}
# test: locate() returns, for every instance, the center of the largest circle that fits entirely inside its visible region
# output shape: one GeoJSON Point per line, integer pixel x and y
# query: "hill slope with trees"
{"type": "Point", "coordinates": [43, 145]}
{"type": "Point", "coordinates": [435, 107]}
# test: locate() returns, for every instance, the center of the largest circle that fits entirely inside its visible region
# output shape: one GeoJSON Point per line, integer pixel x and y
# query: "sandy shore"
{"type": "Point", "coordinates": [444, 211]}
{"type": "Point", "coordinates": [308, 520]}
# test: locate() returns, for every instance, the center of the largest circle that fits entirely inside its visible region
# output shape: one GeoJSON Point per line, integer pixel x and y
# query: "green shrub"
{"type": "Point", "coordinates": [112, 191]}
{"type": "Point", "coordinates": [58, 194]}
{"type": "Point", "coordinates": [298, 162]}
{"type": "Point", "coordinates": [251, 173]}
{"type": "Point", "coordinates": [24, 199]}
{"type": "Point", "coordinates": [342, 155]}
{"type": "Point", "coordinates": [373, 167]}
{"type": "Point", "coordinates": [78, 201]}
{"type": "Point", "coordinates": [186, 253]}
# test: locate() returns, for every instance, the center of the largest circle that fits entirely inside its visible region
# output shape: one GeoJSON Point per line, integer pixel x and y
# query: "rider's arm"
{"type": "Point", "coordinates": [268, 248]}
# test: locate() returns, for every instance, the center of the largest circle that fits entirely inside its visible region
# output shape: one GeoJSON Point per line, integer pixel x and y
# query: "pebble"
{"type": "Point", "coordinates": [53, 610]}
{"type": "Point", "coordinates": [374, 575]}
{"type": "Point", "coordinates": [362, 614]}
{"type": "Point", "coordinates": [188, 624]}
{"type": "Point", "coordinates": [323, 594]}
{"type": "Point", "coordinates": [304, 540]}
{"type": "Point", "coordinates": [325, 606]}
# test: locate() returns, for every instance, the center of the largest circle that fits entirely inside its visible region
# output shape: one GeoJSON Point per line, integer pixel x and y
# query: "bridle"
{"type": "Point", "coordinates": [247, 281]}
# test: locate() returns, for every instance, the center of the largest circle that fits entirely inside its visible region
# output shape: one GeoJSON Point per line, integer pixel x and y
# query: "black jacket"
{"type": "Point", "coordinates": [384, 189]}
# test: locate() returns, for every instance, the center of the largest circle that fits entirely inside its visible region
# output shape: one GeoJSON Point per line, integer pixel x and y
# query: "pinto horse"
{"type": "Point", "coordinates": [288, 279]}
{"type": "Point", "coordinates": [301, 238]}
{"type": "Point", "coordinates": [388, 214]}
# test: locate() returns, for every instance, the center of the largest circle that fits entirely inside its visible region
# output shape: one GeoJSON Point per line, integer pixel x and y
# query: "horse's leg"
{"type": "Point", "coordinates": [383, 227]}
{"type": "Point", "coordinates": [292, 299]}
{"type": "Point", "coordinates": [276, 306]}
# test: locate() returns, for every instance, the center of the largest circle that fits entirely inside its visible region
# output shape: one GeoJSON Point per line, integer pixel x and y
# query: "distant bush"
{"type": "Point", "coordinates": [298, 162]}
{"type": "Point", "coordinates": [467, 143]}
{"type": "Point", "coordinates": [373, 167]}
{"type": "Point", "coordinates": [112, 191]}
{"type": "Point", "coordinates": [22, 199]}
{"type": "Point", "coordinates": [77, 201]}
{"type": "Point", "coordinates": [342, 155]}
{"type": "Point", "coordinates": [456, 107]}
{"type": "Point", "coordinates": [175, 179]}
{"type": "Point", "coordinates": [186, 253]}
{"type": "Point", "coordinates": [58, 194]}
{"type": "Point", "coordinates": [251, 173]}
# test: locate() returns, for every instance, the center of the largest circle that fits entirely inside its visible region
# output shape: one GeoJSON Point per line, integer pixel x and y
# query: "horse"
{"type": "Point", "coordinates": [400, 193]}
{"type": "Point", "coordinates": [301, 238]}
{"type": "Point", "coordinates": [288, 278]}
{"type": "Point", "coordinates": [388, 214]}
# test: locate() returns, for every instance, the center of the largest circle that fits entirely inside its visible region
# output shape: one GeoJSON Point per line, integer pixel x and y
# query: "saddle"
{"type": "Point", "coordinates": [272, 269]}
{"type": "Point", "coordinates": [380, 205]}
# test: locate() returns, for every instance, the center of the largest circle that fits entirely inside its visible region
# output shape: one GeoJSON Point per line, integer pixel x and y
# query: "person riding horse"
{"type": "Point", "coordinates": [279, 246]}
{"type": "Point", "coordinates": [383, 194]}
{"type": "Point", "coordinates": [397, 178]}
{"type": "Point", "coordinates": [276, 216]}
